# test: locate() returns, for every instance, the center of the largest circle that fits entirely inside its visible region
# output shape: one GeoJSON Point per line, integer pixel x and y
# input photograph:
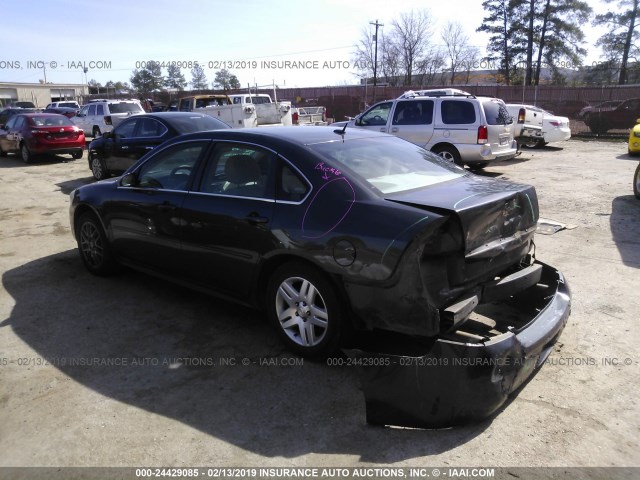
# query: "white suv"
{"type": "Point", "coordinates": [101, 116]}
{"type": "Point", "coordinates": [454, 124]}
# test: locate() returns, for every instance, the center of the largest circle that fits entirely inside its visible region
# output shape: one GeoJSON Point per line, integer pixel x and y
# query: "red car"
{"type": "Point", "coordinates": [34, 134]}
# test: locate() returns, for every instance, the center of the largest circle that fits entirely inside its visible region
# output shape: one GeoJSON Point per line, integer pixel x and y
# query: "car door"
{"type": "Point", "coordinates": [376, 118]}
{"type": "Point", "coordinates": [412, 120]}
{"type": "Point", "coordinates": [117, 147]}
{"type": "Point", "coordinates": [144, 218]}
{"type": "Point", "coordinates": [630, 112]}
{"type": "Point", "coordinates": [8, 135]}
{"type": "Point", "coordinates": [81, 119]}
{"type": "Point", "coordinates": [227, 220]}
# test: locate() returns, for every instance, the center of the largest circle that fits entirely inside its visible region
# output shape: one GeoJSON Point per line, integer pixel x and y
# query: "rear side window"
{"type": "Point", "coordinates": [496, 113]}
{"type": "Point", "coordinates": [124, 107]}
{"type": "Point", "coordinates": [92, 110]}
{"type": "Point", "coordinates": [457, 112]}
{"type": "Point", "coordinates": [100, 110]}
{"type": "Point", "coordinates": [419, 112]}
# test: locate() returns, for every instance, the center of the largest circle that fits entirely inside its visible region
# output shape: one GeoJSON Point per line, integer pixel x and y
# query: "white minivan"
{"type": "Point", "coordinates": [458, 126]}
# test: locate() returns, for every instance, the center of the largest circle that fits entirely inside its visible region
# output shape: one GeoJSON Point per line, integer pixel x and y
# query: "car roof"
{"type": "Point", "coordinates": [295, 134]}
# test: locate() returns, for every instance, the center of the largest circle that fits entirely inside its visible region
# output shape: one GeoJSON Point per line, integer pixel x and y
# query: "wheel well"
{"type": "Point", "coordinates": [441, 145]}
{"type": "Point", "coordinates": [81, 210]}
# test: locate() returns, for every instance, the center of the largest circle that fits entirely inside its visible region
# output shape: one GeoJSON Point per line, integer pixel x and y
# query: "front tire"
{"type": "Point", "coordinates": [76, 155]}
{"type": "Point", "coordinates": [636, 182]}
{"type": "Point", "coordinates": [304, 308]}
{"type": "Point", "coordinates": [94, 247]}
{"type": "Point", "coordinates": [96, 132]}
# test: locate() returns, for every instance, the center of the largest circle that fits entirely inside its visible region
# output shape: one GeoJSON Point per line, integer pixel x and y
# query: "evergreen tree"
{"type": "Point", "coordinates": [147, 79]}
{"type": "Point", "coordinates": [198, 78]}
{"type": "Point", "coordinates": [507, 42]}
{"type": "Point", "coordinates": [620, 43]}
{"type": "Point", "coordinates": [175, 78]}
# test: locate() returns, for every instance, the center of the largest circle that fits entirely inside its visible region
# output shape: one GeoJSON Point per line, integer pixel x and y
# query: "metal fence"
{"type": "Point", "coordinates": [564, 101]}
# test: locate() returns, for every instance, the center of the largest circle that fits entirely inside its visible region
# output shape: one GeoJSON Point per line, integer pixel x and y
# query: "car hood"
{"type": "Point", "coordinates": [491, 212]}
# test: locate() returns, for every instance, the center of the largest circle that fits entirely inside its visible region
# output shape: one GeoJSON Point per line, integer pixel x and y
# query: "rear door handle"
{"type": "Point", "coordinates": [255, 218]}
{"type": "Point", "coordinates": [166, 207]}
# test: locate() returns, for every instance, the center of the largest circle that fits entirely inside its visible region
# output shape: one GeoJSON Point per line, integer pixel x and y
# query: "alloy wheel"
{"type": "Point", "coordinates": [91, 244]}
{"type": "Point", "coordinates": [301, 311]}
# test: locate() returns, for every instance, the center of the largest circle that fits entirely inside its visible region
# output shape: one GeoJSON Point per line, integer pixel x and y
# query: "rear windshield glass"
{"type": "Point", "coordinates": [68, 104]}
{"type": "Point", "coordinates": [496, 113]}
{"type": "Point", "coordinates": [197, 123]}
{"type": "Point", "coordinates": [389, 164]}
{"type": "Point", "coordinates": [124, 107]}
{"type": "Point", "coordinates": [50, 121]}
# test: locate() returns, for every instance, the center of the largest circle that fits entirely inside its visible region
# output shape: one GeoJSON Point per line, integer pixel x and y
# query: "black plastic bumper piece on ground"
{"type": "Point", "coordinates": [453, 383]}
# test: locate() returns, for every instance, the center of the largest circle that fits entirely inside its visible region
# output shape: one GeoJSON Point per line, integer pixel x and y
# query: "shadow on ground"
{"type": "Point", "coordinates": [179, 340]}
{"type": "Point", "coordinates": [625, 227]}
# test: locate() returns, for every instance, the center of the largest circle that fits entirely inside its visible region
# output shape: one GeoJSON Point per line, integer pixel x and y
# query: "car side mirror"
{"type": "Point", "coordinates": [129, 180]}
{"type": "Point", "coordinates": [637, 120]}
{"type": "Point", "coordinates": [106, 135]}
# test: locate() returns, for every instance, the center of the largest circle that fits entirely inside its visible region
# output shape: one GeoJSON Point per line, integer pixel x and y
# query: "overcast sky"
{"type": "Point", "coordinates": [250, 38]}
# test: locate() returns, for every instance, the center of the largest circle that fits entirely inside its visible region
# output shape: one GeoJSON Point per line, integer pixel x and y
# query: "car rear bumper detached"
{"type": "Point", "coordinates": [449, 381]}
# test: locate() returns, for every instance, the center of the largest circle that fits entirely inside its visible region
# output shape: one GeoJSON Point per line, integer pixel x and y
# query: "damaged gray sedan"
{"type": "Point", "coordinates": [331, 231]}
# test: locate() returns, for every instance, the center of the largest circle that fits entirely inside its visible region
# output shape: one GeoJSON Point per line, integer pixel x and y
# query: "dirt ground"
{"type": "Point", "coordinates": [197, 381]}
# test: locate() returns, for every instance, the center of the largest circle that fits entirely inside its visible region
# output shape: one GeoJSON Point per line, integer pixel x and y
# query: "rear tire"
{"type": "Point", "coordinates": [449, 153]}
{"type": "Point", "coordinates": [98, 167]}
{"type": "Point", "coordinates": [2, 152]}
{"type": "Point", "coordinates": [304, 308]}
{"type": "Point", "coordinates": [96, 132]}
{"type": "Point", "coordinates": [94, 247]}
{"type": "Point", "coordinates": [636, 182]}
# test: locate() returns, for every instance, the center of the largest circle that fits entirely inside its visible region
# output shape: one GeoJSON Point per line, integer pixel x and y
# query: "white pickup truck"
{"type": "Point", "coordinates": [239, 111]}
{"type": "Point", "coordinates": [267, 111]}
{"type": "Point", "coordinates": [527, 124]}
{"type": "Point", "coordinates": [309, 115]}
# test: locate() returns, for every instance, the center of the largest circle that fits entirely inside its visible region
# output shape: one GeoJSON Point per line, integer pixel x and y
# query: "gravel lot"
{"type": "Point", "coordinates": [172, 400]}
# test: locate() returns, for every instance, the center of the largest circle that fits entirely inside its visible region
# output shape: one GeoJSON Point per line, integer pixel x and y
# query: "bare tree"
{"type": "Point", "coordinates": [410, 34]}
{"type": "Point", "coordinates": [430, 65]}
{"type": "Point", "coordinates": [364, 56]}
{"type": "Point", "coordinates": [391, 62]}
{"type": "Point", "coordinates": [456, 44]}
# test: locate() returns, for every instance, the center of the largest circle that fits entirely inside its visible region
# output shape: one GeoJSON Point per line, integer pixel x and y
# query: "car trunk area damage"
{"type": "Point", "coordinates": [468, 373]}
{"type": "Point", "coordinates": [475, 250]}
{"type": "Point", "coordinates": [474, 312]}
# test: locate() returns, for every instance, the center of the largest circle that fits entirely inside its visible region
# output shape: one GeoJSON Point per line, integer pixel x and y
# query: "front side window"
{"type": "Point", "coordinates": [172, 168]}
{"type": "Point", "coordinates": [240, 170]}
{"type": "Point", "coordinates": [378, 114]}
{"type": "Point", "coordinates": [126, 129]}
{"type": "Point", "coordinates": [457, 112]}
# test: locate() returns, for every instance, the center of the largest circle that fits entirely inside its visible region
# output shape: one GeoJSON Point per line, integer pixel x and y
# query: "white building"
{"type": "Point", "coordinates": [41, 94]}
